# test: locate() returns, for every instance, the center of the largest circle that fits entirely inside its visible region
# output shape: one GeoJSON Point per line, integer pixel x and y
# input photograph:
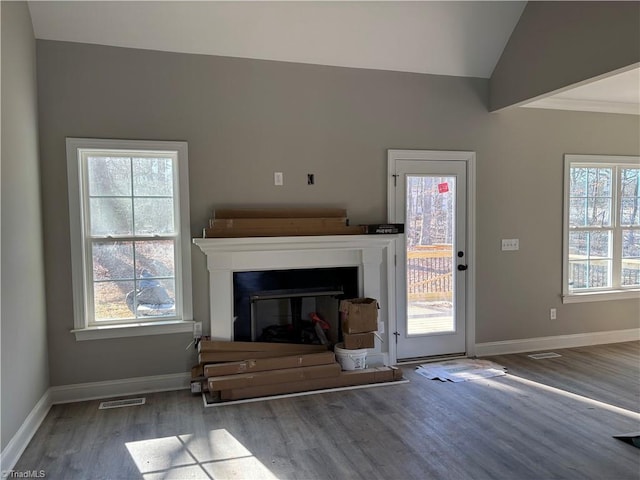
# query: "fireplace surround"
{"type": "Point", "coordinates": [373, 255]}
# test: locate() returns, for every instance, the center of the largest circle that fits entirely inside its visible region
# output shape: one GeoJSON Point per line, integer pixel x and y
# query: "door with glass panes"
{"type": "Point", "coordinates": [429, 197]}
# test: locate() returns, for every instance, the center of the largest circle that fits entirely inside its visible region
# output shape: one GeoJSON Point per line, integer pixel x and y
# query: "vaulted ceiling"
{"type": "Point", "coordinates": [434, 37]}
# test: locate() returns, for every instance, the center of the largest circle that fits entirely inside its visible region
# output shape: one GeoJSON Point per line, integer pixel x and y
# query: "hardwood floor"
{"type": "Point", "coordinates": [546, 419]}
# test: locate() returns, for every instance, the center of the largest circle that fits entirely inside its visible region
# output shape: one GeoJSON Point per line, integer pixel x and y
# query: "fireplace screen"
{"type": "Point", "coordinates": [293, 306]}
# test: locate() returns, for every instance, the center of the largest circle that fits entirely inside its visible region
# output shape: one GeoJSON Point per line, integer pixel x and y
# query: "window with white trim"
{"type": "Point", "coordinates": [129, 216]}
{"type": "Point", "coordinates": [601, 228]}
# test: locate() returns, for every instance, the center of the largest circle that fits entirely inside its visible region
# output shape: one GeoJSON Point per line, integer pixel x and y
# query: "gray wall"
{"type": "Point", "coordinates": [245, 119]}
{"type": "Point", "coordinates": [556, 44]}
{"type": "Point", "coordinates": [25, 372]}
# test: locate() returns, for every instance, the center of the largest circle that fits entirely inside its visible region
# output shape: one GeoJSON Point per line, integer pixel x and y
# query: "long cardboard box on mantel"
{"type": "Point", "coordinates": [272, 377]}
{"type": "Point", "coordinates": [265, 364]}
{"type": "Point", "coordinates": [275, 223]}
{"type": "Point", "coordinates": [345, 379]}
{"type": "Point", "coordinates": [279, 212]}
{"type": "Point", "coordinates": [281, 231]}
{"type": "Point", "coordinates": [279, 221]}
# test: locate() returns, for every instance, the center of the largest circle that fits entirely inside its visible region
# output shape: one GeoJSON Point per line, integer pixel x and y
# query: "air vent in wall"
{"type": "Point", "coordinates": [128, 402]}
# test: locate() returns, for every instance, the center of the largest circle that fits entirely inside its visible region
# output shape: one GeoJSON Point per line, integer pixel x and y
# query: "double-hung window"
{"type": "Point", "coordinates": [601, 228]}
{"type": "Point", "coordinates": [129, 218]}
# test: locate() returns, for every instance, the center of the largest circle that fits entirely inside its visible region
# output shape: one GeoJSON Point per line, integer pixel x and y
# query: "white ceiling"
{"type": "Point", "coordinates": [618, 92]}
{"type": "Point", "coordinates": [436, 37]}
{"type": "Point", "coordinates": [448, 38]}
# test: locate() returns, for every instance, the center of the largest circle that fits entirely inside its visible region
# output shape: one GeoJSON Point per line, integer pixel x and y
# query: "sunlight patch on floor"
{"type": "Point", "coordinates": [500, 384]}
{"type": "Point", "coordinates": [218, 455]}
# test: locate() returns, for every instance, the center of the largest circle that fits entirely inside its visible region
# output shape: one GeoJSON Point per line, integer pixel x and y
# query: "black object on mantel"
{"type": "Point", "coordinates": [382, 228]}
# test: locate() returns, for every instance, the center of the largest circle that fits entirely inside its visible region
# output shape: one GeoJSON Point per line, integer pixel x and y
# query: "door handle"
{"type": "Point", "coordinates": [462, 267]}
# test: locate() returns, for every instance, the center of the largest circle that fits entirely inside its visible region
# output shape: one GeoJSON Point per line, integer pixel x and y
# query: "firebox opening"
{"type": "Point", "coordinates": [278, 305]}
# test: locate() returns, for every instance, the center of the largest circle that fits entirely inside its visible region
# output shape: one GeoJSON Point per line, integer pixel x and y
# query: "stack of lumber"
{"type": "Point", "coordinates": [274, 222]}
{"type": "Point", "coordinates": [242, 370]}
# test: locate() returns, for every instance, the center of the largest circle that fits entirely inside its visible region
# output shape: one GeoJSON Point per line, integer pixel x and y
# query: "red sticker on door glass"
{"type": "Point", "coordinates": [443, 187]}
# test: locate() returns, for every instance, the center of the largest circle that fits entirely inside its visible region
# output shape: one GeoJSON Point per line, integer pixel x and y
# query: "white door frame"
{"type": "Point", "coordinates": [441, 155]}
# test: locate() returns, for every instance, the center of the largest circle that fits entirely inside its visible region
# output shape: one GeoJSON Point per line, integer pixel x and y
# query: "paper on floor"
{"type": "Point", "coordinates": [461, 370]}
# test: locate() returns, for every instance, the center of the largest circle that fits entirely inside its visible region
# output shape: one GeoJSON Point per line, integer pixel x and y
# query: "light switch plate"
{"type": "Point", "coordinates": [510, 244]}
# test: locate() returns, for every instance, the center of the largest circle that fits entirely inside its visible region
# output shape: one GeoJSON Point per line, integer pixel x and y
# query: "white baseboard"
{"type": "Point", "coordinates": [558, 341]}
{"type": "Point", "coordinates": [16, 446]}
{"type": "Point", "coordinates": [81, 392]}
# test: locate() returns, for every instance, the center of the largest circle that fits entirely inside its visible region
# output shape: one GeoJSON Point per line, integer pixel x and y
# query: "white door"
{"type": "Point", "coordinates": [429, 195]}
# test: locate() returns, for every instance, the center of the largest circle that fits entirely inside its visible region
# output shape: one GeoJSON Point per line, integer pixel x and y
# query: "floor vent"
{"type": "Point", "coordinates": [540, 356]}
{"type": "Point", "coordinates": [129, 402]}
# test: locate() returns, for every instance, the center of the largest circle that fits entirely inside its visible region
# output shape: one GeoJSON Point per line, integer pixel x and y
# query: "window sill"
{"type": "Point", "coordinates": [133, 330]}
{"type": "Point", "coordinates": [601, 296]}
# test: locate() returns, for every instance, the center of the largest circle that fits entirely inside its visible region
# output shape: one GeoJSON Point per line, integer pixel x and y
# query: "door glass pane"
{"type": "Point", "coordinates": [430, 233]}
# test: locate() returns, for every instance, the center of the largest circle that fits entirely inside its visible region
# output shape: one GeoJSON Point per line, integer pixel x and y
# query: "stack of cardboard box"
{"type": "Point", "coordinates": [359, 318]}
{"type": "Point", "coordinates": [241, 370]}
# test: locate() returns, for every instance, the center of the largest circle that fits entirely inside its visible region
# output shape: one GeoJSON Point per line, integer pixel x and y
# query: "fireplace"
{"type": "Point", "coordinates": [371, 258]}
{"type": "Point", "coordinates": [277, 305]}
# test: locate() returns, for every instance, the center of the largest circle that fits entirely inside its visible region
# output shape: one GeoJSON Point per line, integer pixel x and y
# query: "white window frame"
{"type": "Point", "coordinates": [617, 291]}
{"type": "Point", "coordinates": [84, 329]}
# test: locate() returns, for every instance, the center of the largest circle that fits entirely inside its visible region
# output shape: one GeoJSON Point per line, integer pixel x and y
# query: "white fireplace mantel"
{"type": "Point", "coordinates": [372, 254]}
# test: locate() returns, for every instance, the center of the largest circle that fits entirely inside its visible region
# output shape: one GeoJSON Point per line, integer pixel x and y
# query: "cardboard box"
{"type": "Point", "coordinates": [239, 355]}
{"type": "Point", "coordinates": [359, 315]}
{"type": "Point", "coordinates": [290, 230]}
{"type": "Point", "coordinates": [284, 348]}
{"type": "Point", "coordinates": [345, 379]}
{"type": "Point", "coordinates": [354, 341]}
{"type": "Point", "coordinates": [265, 364]}
{"type": "Point", "coordinates": [197, 372]}
{"type": "Point", "coordinates": [311, 212]}
{"type": "Point", "coordinates": [216, 357]}
{"type": "Point", "coordinates": [277, 223]}
{"type": "Point", "coordinates": [272, 377]}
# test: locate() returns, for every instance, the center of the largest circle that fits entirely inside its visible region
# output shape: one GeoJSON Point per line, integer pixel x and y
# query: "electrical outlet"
{"type": "Point", "coordinates": [552, 314]}
{"type": "Point", "coordinates": [197, 329]}
{"type": "Point", "coordinates": [278, 179]}
{"type": "Point", "coordinates": [510, 244]}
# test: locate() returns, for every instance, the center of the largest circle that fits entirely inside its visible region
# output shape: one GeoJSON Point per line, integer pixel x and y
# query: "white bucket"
{"type": "Point", "coordinates": [351, 359]}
